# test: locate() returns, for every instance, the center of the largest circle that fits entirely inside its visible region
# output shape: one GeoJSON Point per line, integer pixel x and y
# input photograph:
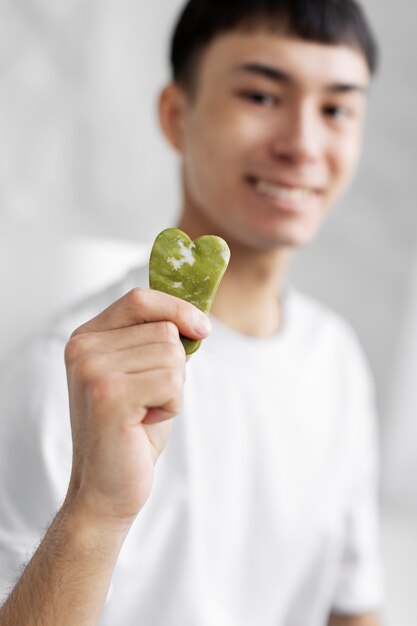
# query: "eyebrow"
{"type": "Point", "coordinates": [280, 76]}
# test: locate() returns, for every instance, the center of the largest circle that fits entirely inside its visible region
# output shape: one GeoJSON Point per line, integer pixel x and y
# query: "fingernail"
{"type": "Point", "coordinates": [202, 324]}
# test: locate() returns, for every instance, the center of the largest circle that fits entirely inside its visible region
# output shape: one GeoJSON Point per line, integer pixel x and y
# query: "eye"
{"type": "Point", "coordinates": [337, 112]}
{"type": "Point", "coordinates": [259, 97]}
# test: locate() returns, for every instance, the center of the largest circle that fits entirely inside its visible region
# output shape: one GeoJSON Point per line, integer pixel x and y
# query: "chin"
{"type": "Point", "coordinates": [293, 236]}
{"type": "Point", "coordinates": [269, 242]}
{"type": "Point", "coordinates": [297, 240]}
{"type": "Point", "coordinates": [273, 229]}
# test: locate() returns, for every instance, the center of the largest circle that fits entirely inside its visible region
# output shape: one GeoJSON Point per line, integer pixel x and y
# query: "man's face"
{"type": "Point", "coordinates": [271, 138]}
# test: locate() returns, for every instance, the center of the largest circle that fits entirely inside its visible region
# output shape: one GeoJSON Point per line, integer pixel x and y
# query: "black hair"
{"type": "Point", "coordinates": [322, 21]}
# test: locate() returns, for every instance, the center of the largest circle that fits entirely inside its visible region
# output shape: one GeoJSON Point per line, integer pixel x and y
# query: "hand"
{"type": "Point", "coordinates": [126, 371]}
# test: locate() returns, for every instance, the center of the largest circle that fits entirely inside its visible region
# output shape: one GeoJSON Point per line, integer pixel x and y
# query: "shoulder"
{"type": "Point", "coordinates": [33, 380]}
{"type": "Point", "coordinates": [35, 425]}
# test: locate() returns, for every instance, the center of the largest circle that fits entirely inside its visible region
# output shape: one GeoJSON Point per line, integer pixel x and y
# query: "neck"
{"type": "Point", "coordinates": [248, 298]}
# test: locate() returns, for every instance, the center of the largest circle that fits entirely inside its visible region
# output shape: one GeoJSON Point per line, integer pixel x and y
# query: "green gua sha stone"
{"type": "Point", "coordinates": [191, 270]}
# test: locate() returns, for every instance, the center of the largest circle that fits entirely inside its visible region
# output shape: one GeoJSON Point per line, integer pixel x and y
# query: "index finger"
{"type": "Point", "coordinates": [142, 306]}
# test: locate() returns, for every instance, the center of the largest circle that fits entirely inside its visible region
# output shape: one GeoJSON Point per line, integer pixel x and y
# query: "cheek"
{"type": "Point", "coordinates": [215, 153]}
{"type": "Point", "coordinates": [226, 133]}
{"type": "Point", "coordinates": [345, 160]}
{"type": "Point", "coordinates": [203, 163]}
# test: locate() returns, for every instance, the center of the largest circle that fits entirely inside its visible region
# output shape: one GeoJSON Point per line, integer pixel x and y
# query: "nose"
{"type": "Point", "coordinates": [298, 137]}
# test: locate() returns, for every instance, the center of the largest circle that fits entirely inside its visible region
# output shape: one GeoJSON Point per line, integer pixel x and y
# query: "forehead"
{"type": "Point", "coordinates": [308, 63]}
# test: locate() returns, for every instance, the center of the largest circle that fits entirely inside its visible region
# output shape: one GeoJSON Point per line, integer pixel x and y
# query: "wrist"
{"type": "Point", "coordinates": [88, 528]}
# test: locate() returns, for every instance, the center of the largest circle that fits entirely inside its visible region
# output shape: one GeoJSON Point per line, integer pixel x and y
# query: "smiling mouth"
{"type": "Point", "coordinates": [286, 193]}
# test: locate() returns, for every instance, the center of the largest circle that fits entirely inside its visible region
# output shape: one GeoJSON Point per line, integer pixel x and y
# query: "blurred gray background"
{"type": "Point", "coordinates": [85, 178]}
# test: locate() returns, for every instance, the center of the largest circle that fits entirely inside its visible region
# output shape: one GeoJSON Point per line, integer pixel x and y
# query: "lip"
{"type": "Point", "coordinates": [293, 198]}
{"type": "Point", "coordinates": [251, 178]}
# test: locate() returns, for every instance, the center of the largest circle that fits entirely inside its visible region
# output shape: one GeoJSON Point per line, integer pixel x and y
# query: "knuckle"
{"type": "Point", "coordinates": [176, 404]}
{"type": "Point", "coordinates": [69, 355]}
{"type": "Point", "coordinates": [171, 331]}
{"type": "Point", "coordinates": [74, 348]}
{"type": "Point", "coordinates": [137, 297]}
{"type": "Point", "coordinates": [181, 311]}
{"type": "Point", "coordinates": [174, 355]}
{"type": "Point", "coordinates": [87, 370]}
{"type": "Point", "coordinates": [165, 332]}
{"type": "Point", "coordinates": [174, 382]}
{"type": "Point", "coordinates": [105, 388]}
{"type": "Point", "coordinates": [185, 313]}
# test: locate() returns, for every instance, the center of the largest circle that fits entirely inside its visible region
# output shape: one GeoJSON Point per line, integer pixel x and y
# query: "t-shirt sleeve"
{"type": "Point", "coordinates": [35, 451]}
{"type": "Point", "coordinates": [359, 586]}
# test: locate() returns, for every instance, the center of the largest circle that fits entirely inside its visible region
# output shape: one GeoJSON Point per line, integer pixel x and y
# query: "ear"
{"type": "Point", "coordinates": [172, 104]}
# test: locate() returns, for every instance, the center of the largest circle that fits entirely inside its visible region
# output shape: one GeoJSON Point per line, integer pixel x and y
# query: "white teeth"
{"type": "Point", "coordinates": [285, 193]}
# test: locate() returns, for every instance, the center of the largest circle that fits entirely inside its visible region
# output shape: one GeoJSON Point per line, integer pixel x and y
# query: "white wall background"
{"type": "Point", "coordinates": [81, 155]}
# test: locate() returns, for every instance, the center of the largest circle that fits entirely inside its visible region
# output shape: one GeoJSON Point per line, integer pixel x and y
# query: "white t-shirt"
{"type": "Point", "coordinates": [264, 505]}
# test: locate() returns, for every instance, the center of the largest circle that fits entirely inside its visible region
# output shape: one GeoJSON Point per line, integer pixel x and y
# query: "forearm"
{"type": "Point", "coordinates": [371, 619]}
{"type": "Point", "coordinates": [125, 360]}
{"type": "Point", "coordinates": [67, 580]}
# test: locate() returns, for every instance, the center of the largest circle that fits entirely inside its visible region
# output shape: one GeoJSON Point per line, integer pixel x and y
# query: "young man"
{"type": "Point", "coordinates": [263, 506]}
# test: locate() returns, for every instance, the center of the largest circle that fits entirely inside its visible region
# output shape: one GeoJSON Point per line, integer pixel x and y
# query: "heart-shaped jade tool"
{"type": "Point", "coordinates": [191, 270]}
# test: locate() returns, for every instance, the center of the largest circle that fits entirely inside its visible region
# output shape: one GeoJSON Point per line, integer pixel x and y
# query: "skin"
{"type": "Point", "coordinates": [305, 131]}
{"type": "Point", "coordinates": [299, 130]}
{"type": "Point", "coordinates": [357, 620]}
{"type": "Point", "coordinates": [126, 367]}
{"type": "Point", "coordinates": [126, 370]}
{"type": "Point", "coordinates": [284, 111]}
